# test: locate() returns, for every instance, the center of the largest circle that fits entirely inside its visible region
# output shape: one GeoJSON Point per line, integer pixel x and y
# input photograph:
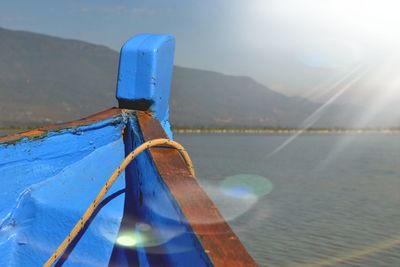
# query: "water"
{"type": "Point", "coordinates": [325, 200]}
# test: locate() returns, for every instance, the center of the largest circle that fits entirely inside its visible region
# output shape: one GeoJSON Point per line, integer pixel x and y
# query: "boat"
{"type": "Point", "coordinates": [67, 199]}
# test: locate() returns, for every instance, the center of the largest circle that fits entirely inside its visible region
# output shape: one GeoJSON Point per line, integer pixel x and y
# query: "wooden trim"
{"type": "Point", "coordinates": [42, 131]}
{"type": "Point", "coordinates": [217, 238]}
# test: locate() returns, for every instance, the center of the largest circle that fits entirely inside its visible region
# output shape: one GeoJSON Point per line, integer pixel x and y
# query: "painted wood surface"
{"type": "Point", "coordinates": [52, 174]}
{"type": "Point", "coordinates": [48, 177]}
{"type": "Point", "coordinates": [42, 131]}
{"type": "Point", "coordinates": [217, 238]}
{"type": "Point", "coordinates": [145, 74]}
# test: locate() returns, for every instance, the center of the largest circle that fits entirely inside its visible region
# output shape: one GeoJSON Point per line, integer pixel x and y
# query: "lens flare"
{"type": "Point", "coordinates": [130, 239]}
{"type": "Point", "coordinates": [333, 54]}
{"type": "Point", "coordinates": [234, 196]}
{"type": "Point", "coordinates": [246, 186]}
{"type": "Point", "coordinates": [315, 116]}
{"type": "Point", "coordinates": [143, 227]}
{"type": "Point", "coordinates": [140, 236]}
{"type": "Point", "coordinates": [144, 235]}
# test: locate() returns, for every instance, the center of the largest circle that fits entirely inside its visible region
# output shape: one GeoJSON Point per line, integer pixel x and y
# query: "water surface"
{"type": "Point", "coordinates": [325, 200]}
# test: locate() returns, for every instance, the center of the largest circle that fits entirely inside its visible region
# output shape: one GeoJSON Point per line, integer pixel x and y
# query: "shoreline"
{"type": "Point", "coordinates": [283, 131]}
{"type": "Point", "coordinates": [178, 130]}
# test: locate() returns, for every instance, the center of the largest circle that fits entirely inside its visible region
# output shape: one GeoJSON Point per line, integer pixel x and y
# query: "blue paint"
{"type": "Point", "coordinates": [172, 241]}
{"type": "Point", "coordinates": [29, 162]}
{"type": "Point", "coordinates": [49, 182]}
{"type": "Point", "coordinates": [145, 73]}
{"type": "Point", "coordinates": [46, 186]}
{"type": "Point", "coordinates": [122, 256]}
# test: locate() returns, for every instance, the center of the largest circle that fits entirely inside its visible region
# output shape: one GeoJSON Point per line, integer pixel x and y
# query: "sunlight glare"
{"type": "Point", "coordinates": [129, 239]}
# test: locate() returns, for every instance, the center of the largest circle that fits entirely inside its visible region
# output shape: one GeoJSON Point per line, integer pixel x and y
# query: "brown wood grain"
{"type": "Point", "coordinates": [42, 131]}
{"type": "Point", "coordinates": [219, 242]}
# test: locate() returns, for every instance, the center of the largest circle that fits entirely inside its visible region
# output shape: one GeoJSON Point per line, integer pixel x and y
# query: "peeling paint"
{"type": "Point", "coordinates": [47, 182]}
{"type": "Point", "coordinates": [50, 182]}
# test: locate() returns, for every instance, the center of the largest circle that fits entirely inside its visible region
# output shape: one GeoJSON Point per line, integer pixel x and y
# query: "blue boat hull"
{"type": "Point", "coordinates": [51, 176]}
{"type": "Point", "coordinates": [156, 214]}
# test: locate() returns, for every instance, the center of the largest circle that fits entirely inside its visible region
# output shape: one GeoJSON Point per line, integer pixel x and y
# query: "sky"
{"type": "Point", "coordinates": [295, 47]}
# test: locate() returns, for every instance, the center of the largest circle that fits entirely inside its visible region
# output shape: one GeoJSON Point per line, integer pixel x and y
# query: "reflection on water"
{"type": "Point", "coordinates": [324, 200]}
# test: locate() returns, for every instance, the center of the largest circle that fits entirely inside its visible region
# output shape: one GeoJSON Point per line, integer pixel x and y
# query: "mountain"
{"type": "Point", "coordinates": [201, 97]}
{"type": "Point", "coordinates": [46, 79]}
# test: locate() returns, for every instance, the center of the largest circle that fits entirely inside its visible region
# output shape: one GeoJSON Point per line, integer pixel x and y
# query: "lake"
{"type": "Point", "coordinates": [321, 200]}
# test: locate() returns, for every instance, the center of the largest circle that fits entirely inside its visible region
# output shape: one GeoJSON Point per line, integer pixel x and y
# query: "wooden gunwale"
{"type": "Point", "coordinates": [220, 243]}
{"type": "Point", "coordinates": [217, 238]}
{"type": "Point", "coordinates": [43, 131]}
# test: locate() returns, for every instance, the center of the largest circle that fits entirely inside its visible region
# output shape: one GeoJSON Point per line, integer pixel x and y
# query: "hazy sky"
{"type": "Point", "coordinates": [292, 46]}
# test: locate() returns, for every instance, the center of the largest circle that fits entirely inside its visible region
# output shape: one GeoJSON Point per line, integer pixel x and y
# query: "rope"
{"type": "Point", "coordinates": [88, 213]}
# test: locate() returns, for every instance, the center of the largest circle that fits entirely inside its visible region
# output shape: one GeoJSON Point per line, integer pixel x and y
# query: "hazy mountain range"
{"type": "Point", "coordinates": [47, 79]}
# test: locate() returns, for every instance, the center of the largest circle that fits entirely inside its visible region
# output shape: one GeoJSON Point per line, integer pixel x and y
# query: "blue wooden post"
{"type": "Point", "coordinates": [145, 74]}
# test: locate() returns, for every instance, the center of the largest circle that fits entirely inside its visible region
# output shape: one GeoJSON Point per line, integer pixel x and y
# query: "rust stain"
{"type": "Point", "coordinates": [42, 131]}
{"type": "Point", "coordinates": [219, 241]}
